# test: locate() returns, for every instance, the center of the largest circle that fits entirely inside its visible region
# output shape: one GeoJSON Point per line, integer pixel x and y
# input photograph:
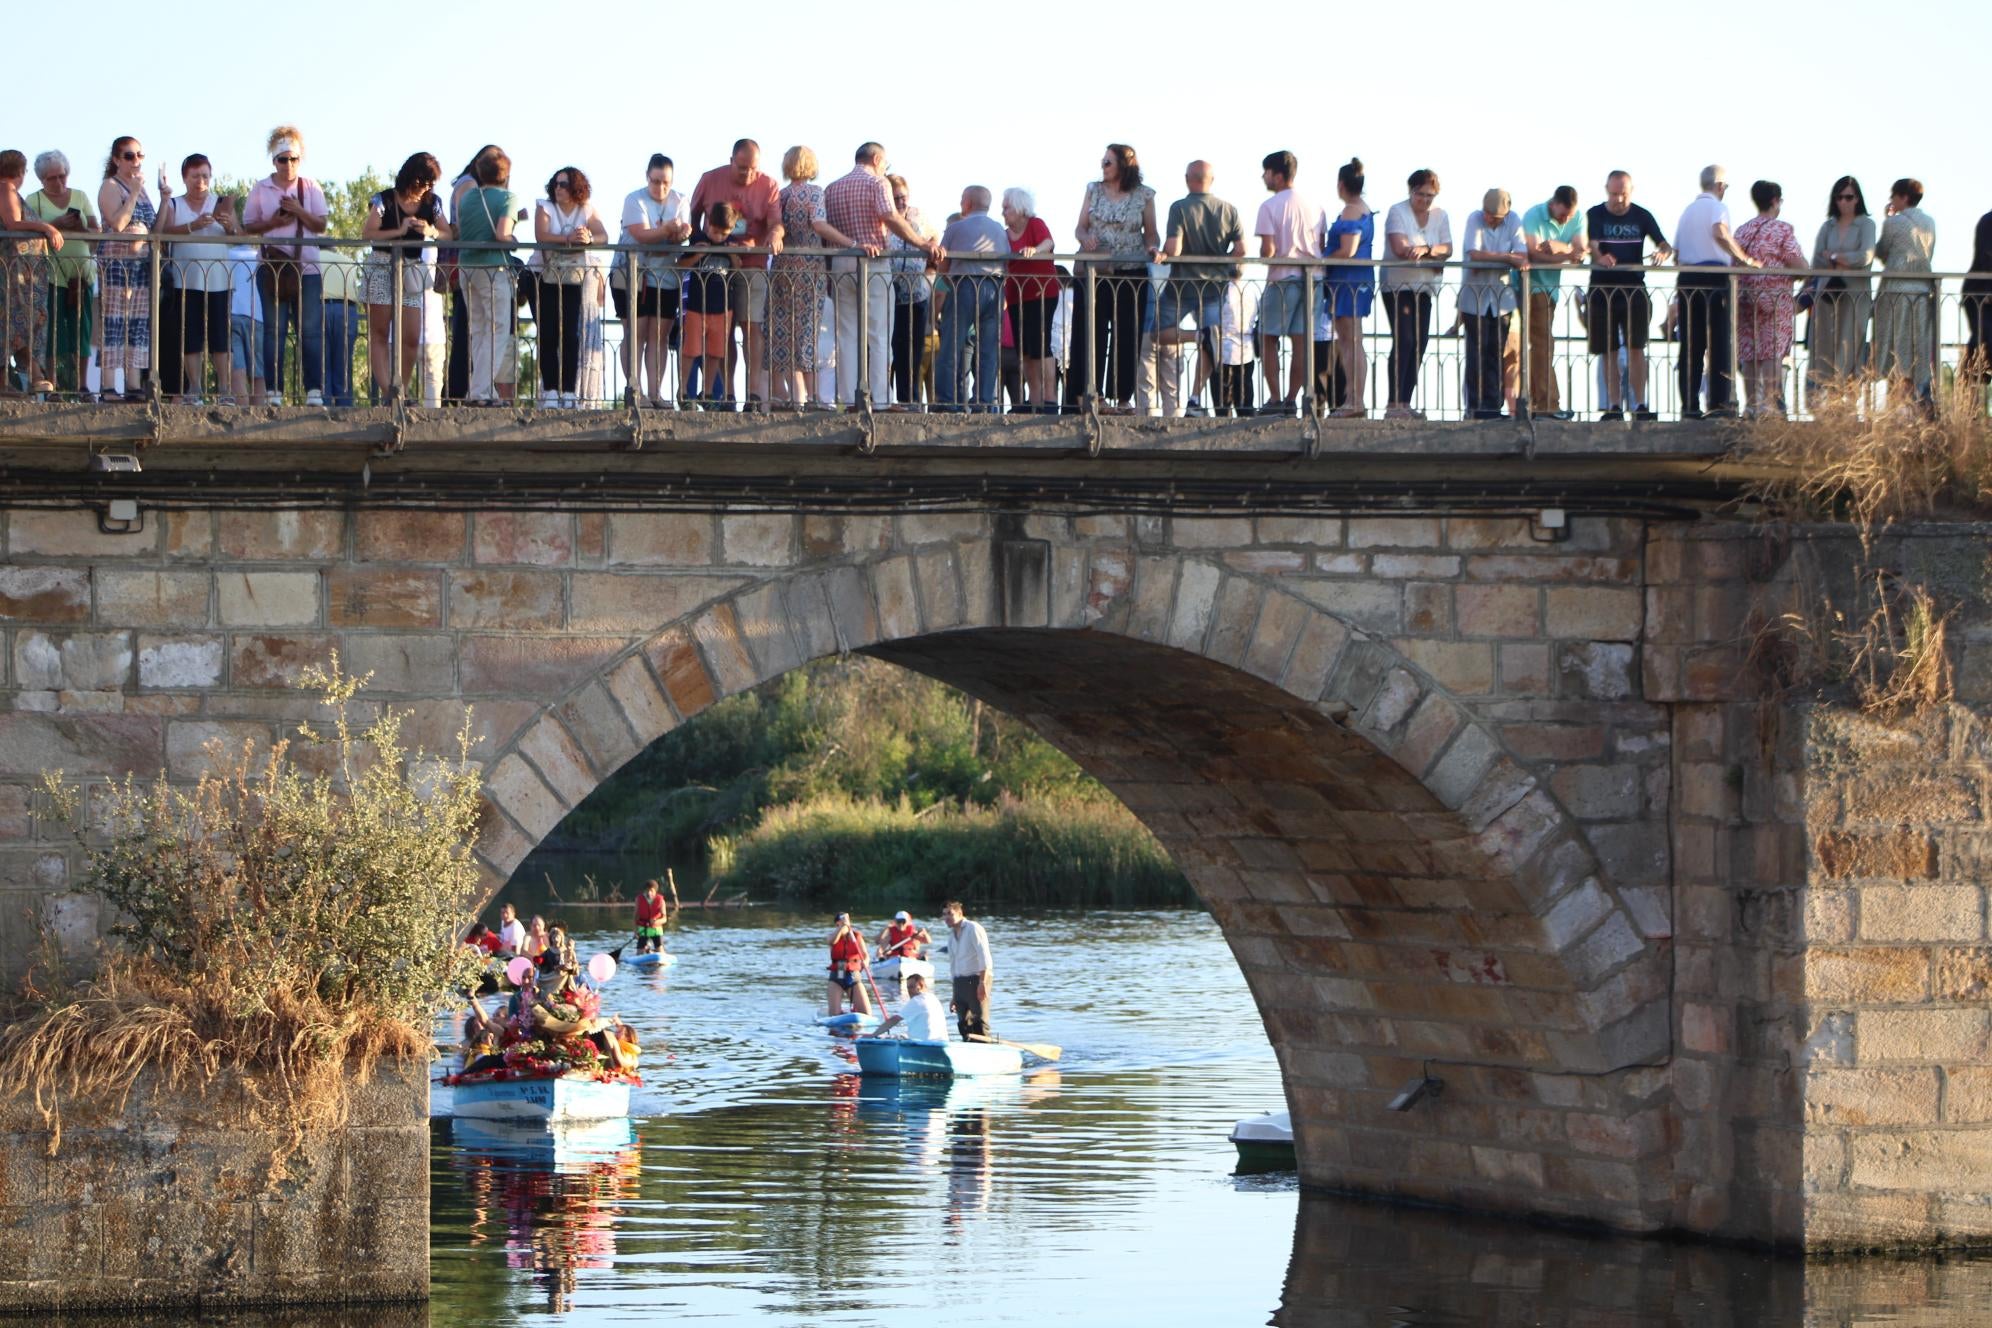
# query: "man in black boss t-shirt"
{"type": "Point", "coordinates": [1619, 312]}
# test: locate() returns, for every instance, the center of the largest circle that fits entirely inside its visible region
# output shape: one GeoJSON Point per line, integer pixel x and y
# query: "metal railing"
{"type": "Point", "coordinates": [222, 321]}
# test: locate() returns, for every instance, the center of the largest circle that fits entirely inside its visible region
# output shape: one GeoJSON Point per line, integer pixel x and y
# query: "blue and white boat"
{"type": "Point", "coordinates": [562, 1098]}
{"type": "Point", "coordinates": [850, 1021]}
{"type": "Point", "coordinates": [652, 959]}
{"type": "Point", "coordinates": [905, 1056]}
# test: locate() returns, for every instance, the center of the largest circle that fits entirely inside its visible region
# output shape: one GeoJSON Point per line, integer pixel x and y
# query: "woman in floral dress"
{"type": "Point", "coordinates": [1765, 311]}
{"type": "Point", "coordinates": [796, 299]}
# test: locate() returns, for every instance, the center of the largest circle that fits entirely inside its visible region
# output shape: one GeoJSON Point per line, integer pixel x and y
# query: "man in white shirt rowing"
{"type": "Point", "coordinates": [921, 1015]}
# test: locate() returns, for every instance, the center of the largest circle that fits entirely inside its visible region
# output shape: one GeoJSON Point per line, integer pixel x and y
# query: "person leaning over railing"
{"type": "Point", "coordinates": [195, 302]}
{"type": "Point", "coordinates": [1415, 231]}
{"type": "Point", "coordinates": [859, 204]}
{"type": "Point", "coordinates": [1765, 313]}
{"type": "Point", "coordinates": [485, 216]}
{"type": "Point", "coordinates": [1118, 219]}
{"type": "Point", "coordinates": [653, 216]}
{"type": "Point", "coordinates": [1030, 298]}
{"type": "Point", "coordinates": [1841, 301]}
{"type": "Point", "coordinates": [1904, 309]}
{"type": "Point", "coordinates": [757, 211]}
{"type": "Point", "coordinates": [72, 271]}
{"type": "Point", "coordinates": [1495, 249]}
{"type": "Point", "coordinates": [1618, 311]}
{"type": "Point", "coordinates": [126, 295]}
{"type": "Point", "coordinates": [1978, 306]}
{"type": "Point", "coordinates": [286, 203]}
{"type": "Point", "coordinates": [1558, 238]}
{"type": "Point", "coordinates": [23, 275]}
{"type": "Point", "coordinates": [567, 221]}
{"type": "Point", "coordinates": [407, 210]}
{"type": "Point", "coordinates": [1200, 225]}
{"type": "Point", "coordinates": [799, 283]}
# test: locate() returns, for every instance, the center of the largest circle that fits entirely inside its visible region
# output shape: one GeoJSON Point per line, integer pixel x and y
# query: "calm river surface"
{"type": "Point", "coordinates": [764, 1182]}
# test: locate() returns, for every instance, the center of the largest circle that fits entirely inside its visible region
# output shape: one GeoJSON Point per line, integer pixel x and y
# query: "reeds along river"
{"type": "Point", "coordinates": [765, 1182]}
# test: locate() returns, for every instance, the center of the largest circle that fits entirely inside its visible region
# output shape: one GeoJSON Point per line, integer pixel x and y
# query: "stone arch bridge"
{"type": "Point", "coordinates": [1451, 729]}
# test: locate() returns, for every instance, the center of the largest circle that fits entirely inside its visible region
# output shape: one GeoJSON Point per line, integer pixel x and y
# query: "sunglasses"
{"type": "Point", "coordinates": [132, 156]}
{"type": "Point", "coordinates": [285, 161]}
{"type": "Point", "coordinates": [563, 183]}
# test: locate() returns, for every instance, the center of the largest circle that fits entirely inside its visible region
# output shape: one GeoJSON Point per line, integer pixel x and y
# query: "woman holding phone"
{"type": "Point", "coordinates": [410, 210]}
{"type": "Point", "coordinates": [196, 304]}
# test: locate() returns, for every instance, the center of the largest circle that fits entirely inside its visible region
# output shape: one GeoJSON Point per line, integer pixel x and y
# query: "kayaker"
{"type": "Point", "coordinates": [972, 968]}
{"type": "Point", "coordinates": [847, 968]}
{"type": "Point", "coordinates": [902, 939]}
{"type": "Point", "coordinates": [511, 931]}
{"type": "Point", "coordinates": [651, 911]}
{"type": "Point", "coordinates": [921, 1014]}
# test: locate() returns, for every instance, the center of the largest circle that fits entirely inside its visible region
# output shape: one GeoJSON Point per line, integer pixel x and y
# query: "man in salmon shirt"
{"type": "Point", "coordinates": [756, 197]}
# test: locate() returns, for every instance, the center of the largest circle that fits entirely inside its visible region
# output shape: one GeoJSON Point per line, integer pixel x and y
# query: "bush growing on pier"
{"type": "Point", "coordinates": [1057, 851]}
{"type": "Point", "coordinates": [293, 917]}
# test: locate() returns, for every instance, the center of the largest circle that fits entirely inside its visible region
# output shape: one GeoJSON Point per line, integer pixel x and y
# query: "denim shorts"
{"type": "Point", "coordinates": [245, 335]}
{"type": "Point", "coordinates": [1283, 311]}
{"type": "Point", "coordinates": [1201, 300]}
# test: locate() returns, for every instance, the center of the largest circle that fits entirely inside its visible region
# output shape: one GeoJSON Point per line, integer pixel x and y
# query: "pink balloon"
{"type": "Point", "coordinates": [601, 968]}
{"type": "Point", "coordinates": [519, 970]}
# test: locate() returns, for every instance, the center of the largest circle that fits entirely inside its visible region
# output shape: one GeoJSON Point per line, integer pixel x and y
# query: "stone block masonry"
{"type": "Point", "coordinates": [169, 1204]}
{"type": "Point", "coordinates": [1464, 802]}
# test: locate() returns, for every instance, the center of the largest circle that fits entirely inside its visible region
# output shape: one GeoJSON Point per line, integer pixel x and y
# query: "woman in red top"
{"type": "Point", "coordinates": [1031, 298]}
{"type": "Point", "coordinates": [847, 968]}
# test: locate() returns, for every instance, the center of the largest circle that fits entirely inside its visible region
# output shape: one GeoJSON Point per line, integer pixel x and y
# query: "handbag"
{"type": "Point", "coordinates": [560, 267]}
{"type": "Point", "coordinates": [280, 262]}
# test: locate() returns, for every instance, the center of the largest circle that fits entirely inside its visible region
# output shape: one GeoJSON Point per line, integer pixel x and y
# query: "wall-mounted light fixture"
{"type": "Point", "coordinates": [1415, 1091]}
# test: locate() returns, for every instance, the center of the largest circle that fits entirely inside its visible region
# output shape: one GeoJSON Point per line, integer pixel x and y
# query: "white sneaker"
{"type": "Point", "coordinates": [549, 401]}
{"type": "Point", "coordinates": [314, 398]}
{"type": "Point", "coordinates": [273, 399]}
{"type": "Point", "coordinates": [570, 401]}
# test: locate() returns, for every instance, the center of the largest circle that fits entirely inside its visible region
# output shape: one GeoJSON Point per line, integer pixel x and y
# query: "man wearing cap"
{"type": "Point", "coordinates": [970, 963]}
{"type": "Point", "coordinates": [921, 1015]}
{"type": "Point", "coordinates": [902, 939]}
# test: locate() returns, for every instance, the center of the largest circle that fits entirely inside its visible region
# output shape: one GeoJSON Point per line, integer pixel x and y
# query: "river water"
{"type": "Point", "coordinates": [765, 1182]}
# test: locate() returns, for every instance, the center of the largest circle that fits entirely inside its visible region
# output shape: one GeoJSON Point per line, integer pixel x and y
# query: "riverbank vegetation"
{"type": "Point", "coordinates": [290, 920]}
{"type": "Point", "coordinates": [857, 765]}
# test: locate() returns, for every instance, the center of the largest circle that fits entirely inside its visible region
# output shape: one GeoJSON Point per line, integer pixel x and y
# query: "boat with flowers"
{"type": "Point", "coordinates": [550, 1057]}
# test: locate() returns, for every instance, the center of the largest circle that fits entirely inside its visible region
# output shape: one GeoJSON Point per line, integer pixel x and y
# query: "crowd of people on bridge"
{"type": "Point", "coordinates": [974, 314]}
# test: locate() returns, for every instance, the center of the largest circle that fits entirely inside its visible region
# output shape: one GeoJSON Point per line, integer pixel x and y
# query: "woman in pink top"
{"type": "Point", "coordinates": [1765, 311]}
{"type": "Point", "coordinates": [286, 206]}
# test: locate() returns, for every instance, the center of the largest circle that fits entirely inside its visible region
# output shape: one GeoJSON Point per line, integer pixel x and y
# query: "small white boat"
{"type": "Point", "coordinates": [904, 1056]}
{"type": "Point", "coordinates": [1265, 1142]}
{"type": "Point", "coordinates": [551, 1098]}
{"type": "Point", "coordinates": [651, 959]}
{"type": "Point", "coordinates": [902, 969]}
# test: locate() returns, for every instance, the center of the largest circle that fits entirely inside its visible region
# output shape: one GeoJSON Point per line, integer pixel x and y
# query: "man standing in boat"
{"type": "Point", "coordinates": [902, 938]}
{"type": "Point", "coordinates": [969, 962]}
{"type": "Point", "coordinates": [651, 911]}
{"type": "Point", "coordinates": [921, 1014]}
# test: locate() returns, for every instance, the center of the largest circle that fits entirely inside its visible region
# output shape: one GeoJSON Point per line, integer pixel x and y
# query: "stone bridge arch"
{"type": "Point", "coordinates": [1404, 892]}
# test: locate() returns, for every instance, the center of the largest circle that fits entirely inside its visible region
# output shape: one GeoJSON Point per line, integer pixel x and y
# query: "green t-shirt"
{"type": "Point", "coordinates": [1537, 224]}
{"type": "Point", "coordinates": [478, 215]}
{"type": "Point", "coordinates": [73, 259]}
{"type": "Point", "coordinates": [1208, 226]}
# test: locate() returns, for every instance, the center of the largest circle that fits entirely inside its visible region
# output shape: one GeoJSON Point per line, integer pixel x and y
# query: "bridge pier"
{"type": "Point", "coordinates": [1473, 798]}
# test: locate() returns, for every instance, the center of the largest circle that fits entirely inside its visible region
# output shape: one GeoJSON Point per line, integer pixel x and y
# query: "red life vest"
{"type": "Point", "coordinates": [901, 942]}
{"type": "Point", "coordinates": [847, 952]}
{"type": "Point", "coordinates": [649, 909]}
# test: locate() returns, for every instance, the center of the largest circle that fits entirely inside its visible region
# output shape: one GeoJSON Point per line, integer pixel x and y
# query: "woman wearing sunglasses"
{"type": "Point", "coordinates": [287, 207]}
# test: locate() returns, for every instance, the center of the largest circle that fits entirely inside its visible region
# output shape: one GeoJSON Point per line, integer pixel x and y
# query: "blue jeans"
{"type": "Point", "coordinates": [342, 330]}
{"type": "Point", "coordinates": [972, 312]}
{"type": "Point", "coordinates": [305, 315]}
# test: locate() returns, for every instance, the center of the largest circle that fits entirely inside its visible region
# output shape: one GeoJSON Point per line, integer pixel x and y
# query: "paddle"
{"type": "Point", "coordinates": [1044, 1051]}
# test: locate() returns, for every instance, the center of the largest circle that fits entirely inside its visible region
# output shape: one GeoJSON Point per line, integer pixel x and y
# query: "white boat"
{"type": "Point", "coordinates": [551, 1098]}
{"type": "Point", "coordinates": [1265, 1142]}
{"type": "Point", "coordinates": [905, 1056]}
{"type": "Point", "coordinates": [902, 969]}
{"type": "Point", "coordinates": [849, 1021]}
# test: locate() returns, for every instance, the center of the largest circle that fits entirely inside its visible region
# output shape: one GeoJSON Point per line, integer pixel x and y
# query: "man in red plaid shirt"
{"type": "Point", "coordinates": [860, 205]}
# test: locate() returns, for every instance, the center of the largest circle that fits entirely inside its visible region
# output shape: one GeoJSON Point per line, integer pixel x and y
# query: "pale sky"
{"type": "Point", "coordinates": [1796, 92]}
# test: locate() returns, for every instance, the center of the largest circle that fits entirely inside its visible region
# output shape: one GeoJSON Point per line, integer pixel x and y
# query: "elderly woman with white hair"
{"type": "Point", "coordinates": [72, 271]}
{"type": "Point", "coordinates": [1030, 298]}
{"type": "Point", "coordinates": [288, 208]}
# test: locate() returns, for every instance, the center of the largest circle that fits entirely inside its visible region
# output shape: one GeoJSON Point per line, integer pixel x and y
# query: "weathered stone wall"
{"type": "Point", "coordinates": [1831, 1049]}
{"type": "Point", "coordinates": [168, 1201]}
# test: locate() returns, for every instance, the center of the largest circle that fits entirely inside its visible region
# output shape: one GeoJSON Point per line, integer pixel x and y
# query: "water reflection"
{"type": "Point", "coordinates": [547, 1196]}
{"type": "Point", "coordinates": [1358, 1263]}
